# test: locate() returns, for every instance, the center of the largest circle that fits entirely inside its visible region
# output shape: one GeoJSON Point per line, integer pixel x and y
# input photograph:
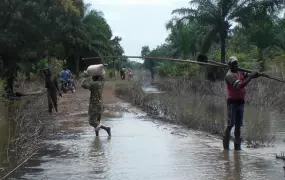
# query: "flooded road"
{"type": "Point", "coordinates": [141, 148]}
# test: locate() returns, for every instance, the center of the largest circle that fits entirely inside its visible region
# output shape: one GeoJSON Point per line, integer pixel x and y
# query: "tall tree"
{"type": "Point", "coordinates": [280, 34]}
{"type": "Point", "coordinates": [117, 50]}
{"type": "Point", "coordinates": [185, 38]}
{"type": "Point", "coordinates": [51, 28]}
{"type": "Point", "coordinates": [219, 15]}
{"type": "Point", "coordinates": [148, 63]}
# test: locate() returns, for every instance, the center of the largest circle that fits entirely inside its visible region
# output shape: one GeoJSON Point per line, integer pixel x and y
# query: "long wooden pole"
{"type": "Point", "coordinates": [207, 63]}
{"type": "Point", "coordinates": [156, 58]}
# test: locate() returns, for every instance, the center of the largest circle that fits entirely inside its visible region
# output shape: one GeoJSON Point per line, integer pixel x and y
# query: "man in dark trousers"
{"type": "Point", "coordinates": [236, 82]}
{"type": "Point", "coordinates": [52, 89]}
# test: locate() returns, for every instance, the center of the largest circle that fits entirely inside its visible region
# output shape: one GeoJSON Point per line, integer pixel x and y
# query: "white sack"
{"type": "Point", "coordinates": [96, 70]}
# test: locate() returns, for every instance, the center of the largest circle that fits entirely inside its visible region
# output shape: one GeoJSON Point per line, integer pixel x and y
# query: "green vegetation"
{"type": "Point", "coordinates": [2, 90]}
{"type": "Point", "coordinates": [34, 33]}
{"type": "Point", "coordinates": [200, 105]}
{"type": "Point", "coordinates": [251, 30]}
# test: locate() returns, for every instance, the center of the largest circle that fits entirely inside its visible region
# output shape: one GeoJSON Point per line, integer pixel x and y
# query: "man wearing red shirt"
{"type": "Point", "coordinates": [236, 82]}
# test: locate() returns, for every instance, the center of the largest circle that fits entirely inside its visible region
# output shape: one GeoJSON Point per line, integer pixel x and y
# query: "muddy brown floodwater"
{"type": "Point", "coordinates": [140, 148]}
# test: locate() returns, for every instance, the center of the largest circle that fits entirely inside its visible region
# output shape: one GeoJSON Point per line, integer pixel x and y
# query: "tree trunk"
{"type": "Point", "coordinates": [152, 73]}
{"type": "Point", "coordinates": [9, 88]}
{"type": "Point", "coordinates": [76, 57]}
{"type": "Point", "coordinates": [48, 58]}
{"type": "Point", "coordinates": [8, 75]}
{"type": "Point", "coordinates": [117, 66]}
{"type": "Point", "coordinates": [114, 67]}
{"type": "Point", "coordinates": [152, 69]}
{"type": "Point", "coordinates": [223, 48]}
{"type": "Point", "coordinates": [261, 59]}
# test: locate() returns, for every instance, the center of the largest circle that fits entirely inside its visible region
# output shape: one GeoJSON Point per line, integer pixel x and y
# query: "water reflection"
{"type": "Point", "coordinates": [151, 89]}
{"type": "Point", "coordinates": [96, 144]}
{"type": "Point", "coordinates": [98, 159]}
{"type": "Point", "coordinates": [237, 166]}
{"type": "Point", "coordinates": [232, 166]}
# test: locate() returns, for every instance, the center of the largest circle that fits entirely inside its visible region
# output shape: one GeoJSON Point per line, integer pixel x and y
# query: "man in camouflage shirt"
{"type": "Point", "coordinates": [52, 89]}
{"type": "Point", "coordinates": [95, 85]}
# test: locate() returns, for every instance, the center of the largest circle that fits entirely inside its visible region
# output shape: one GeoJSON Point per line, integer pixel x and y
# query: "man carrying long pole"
{"type": "Point", "coordinates": [236, 81]}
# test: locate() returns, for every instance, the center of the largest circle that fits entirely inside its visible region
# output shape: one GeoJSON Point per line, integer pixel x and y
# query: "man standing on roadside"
{"type": "Point", "coordinates": [52, 89]}
{"type": "Point", "coordinates": [236, 82]}
{"type": "Point", "coordinates": [123, 73]}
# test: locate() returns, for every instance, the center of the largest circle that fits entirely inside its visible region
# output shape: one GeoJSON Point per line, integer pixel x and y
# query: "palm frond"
{"type": "Point", "coordinates": [184, 11]}
{"type": "Point", "coordinates": [208, 40]}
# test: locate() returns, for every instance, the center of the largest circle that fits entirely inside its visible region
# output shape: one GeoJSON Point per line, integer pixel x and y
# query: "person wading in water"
{"type": "Point", "coordinates": [236, 82]}
{"type": "Point", "coordinates": [95, 85]}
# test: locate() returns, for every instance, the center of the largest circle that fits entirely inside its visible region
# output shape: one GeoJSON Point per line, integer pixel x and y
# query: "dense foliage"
{"type": "Point", "coordinates": [32, 30]}
{"type": "Point", "coordinates": [251, 30]}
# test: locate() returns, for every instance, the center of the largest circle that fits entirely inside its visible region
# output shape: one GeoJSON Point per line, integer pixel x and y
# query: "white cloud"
{"type": "Point", "coordinates": [138, 22]}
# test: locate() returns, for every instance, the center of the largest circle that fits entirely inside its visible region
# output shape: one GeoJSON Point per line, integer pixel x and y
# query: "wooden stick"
{"type": "Point", "coordinates": [157, 58]}
{"type": "Point", "coordinates": [207, 63]}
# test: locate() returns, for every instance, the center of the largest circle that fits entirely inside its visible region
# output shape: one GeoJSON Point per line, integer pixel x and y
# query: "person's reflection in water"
{"type": "Point", "coordinates": [96, 148]}
{"type": "Point", "coordinates": [98, 156]}
{"type": "Point", "coordinates": [96, 145]}
{"type": "Point", "coordinates": [232, 166]}
{"type": "Point", "coordinates": [237, 167]}
{"type": "Point", "coordinates": [228, 172]}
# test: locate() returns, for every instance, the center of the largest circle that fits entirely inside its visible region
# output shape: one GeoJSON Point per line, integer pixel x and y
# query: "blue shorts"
{"type": "Point", "coordinates": [235, 114]}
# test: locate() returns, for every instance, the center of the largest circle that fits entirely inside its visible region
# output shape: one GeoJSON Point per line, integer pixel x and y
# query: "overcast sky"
{"type": "Point", "coordinates": [138, 22]}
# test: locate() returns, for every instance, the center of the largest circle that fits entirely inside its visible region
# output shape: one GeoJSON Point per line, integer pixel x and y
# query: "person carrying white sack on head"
{"type": "Point", "coordinates": [94, 81]}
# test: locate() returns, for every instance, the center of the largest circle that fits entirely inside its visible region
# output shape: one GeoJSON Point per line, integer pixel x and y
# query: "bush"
{"type": "Point", "coordinates": [172, 69]}
{"type": "Point", "coordinates": [55, 66]}
{"type": "Point", "coordinates": [110, 73]}
{"type": "Point", "coordinates": [25, 126]}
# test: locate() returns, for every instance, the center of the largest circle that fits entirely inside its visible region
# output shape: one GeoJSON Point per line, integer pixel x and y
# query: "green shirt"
{"type": "Point", "coordinates": [51, 83]}
{"type": "Point", "coordinates": [96, 91]}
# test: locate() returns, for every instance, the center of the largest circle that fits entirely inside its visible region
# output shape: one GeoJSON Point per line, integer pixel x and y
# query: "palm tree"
{"type": "Point", "coordinates": [219, 15]}
{"type": "Point", "coordinates": [98, 33]}
{"type": "Point", "coordinates": [279, 40]}
{"type": "Point", "coordinates": [184, 38]}
{"type": "Point", "coordinates": [117, 50]}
